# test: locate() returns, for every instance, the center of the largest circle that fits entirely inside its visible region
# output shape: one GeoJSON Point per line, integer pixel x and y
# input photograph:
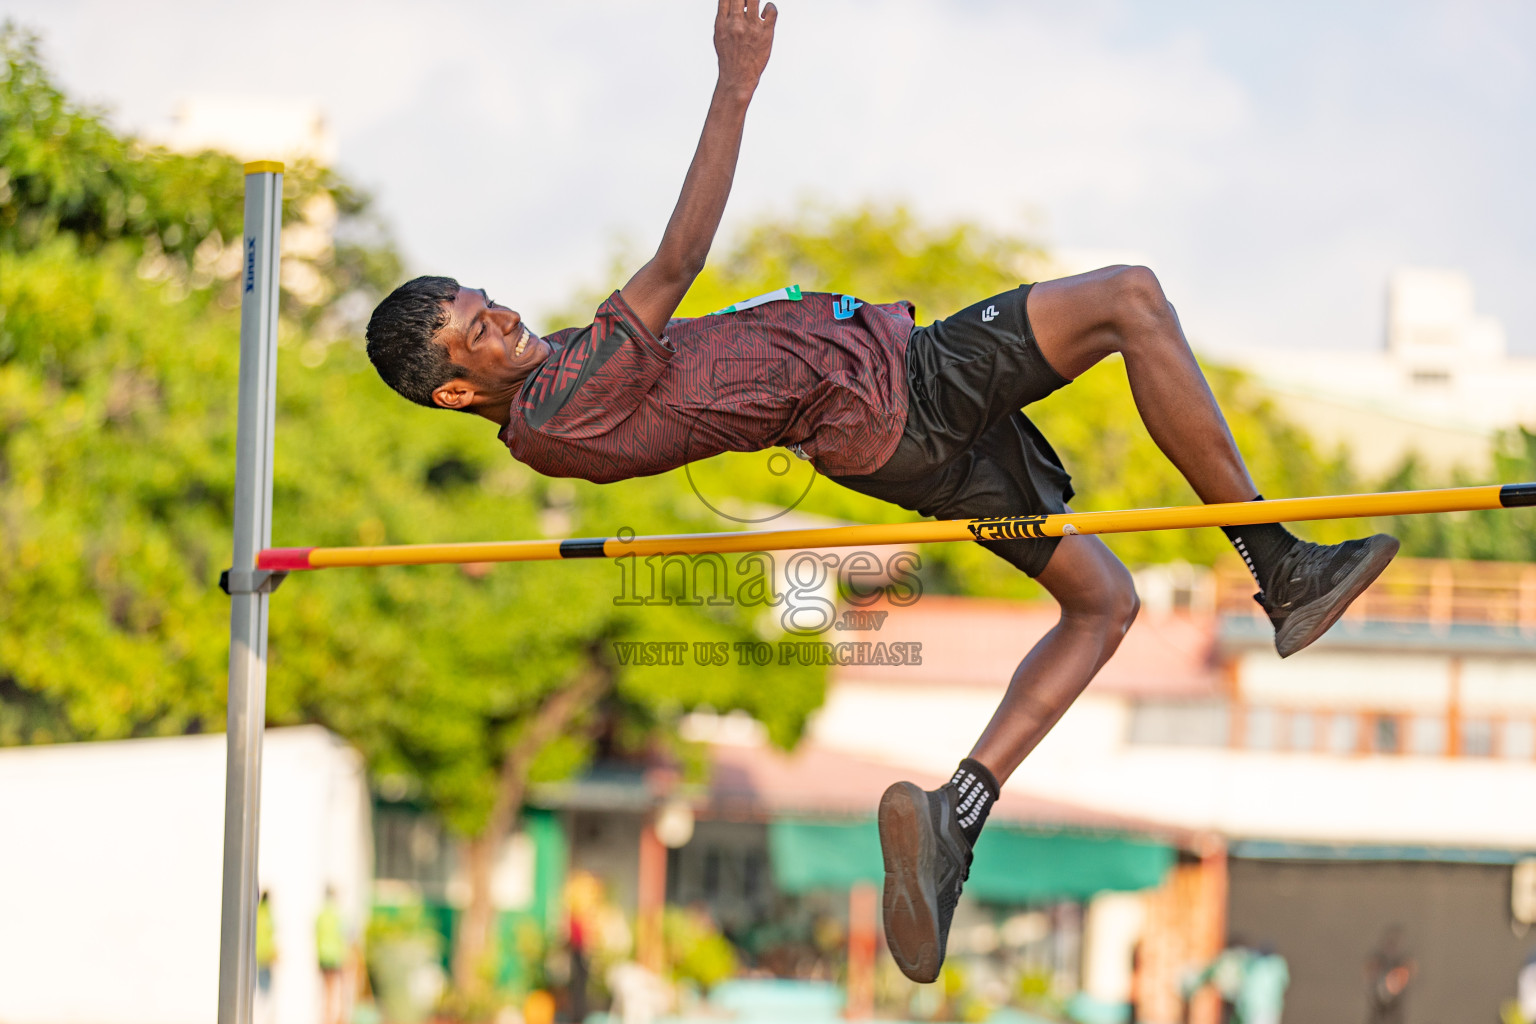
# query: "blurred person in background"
{"type": "Point", "coordinates": [583, 900]}
{"type": "Point", "coordinates": [331, 957]}
{"type": "Point", "coordinates": [1523, 1009]}
{"type": "Point", "coordinates": [1251, 983]}
{"type": "Point", "coordinates": [1224, 974]}
{"type": "Point", "coordinates": [266, 957]}
{"type": "Point", "coordinates": [1262, 997]}
{"type": "Point", "coordinates": [1389, 971]}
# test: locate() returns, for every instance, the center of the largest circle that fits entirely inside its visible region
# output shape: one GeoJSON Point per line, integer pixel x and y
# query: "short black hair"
{"type": "Point", "coordinates": [401, 338]}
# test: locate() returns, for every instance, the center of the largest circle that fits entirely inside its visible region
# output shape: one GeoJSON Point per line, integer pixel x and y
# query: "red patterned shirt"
{"type": "Point", "coordinates": [825, 376]}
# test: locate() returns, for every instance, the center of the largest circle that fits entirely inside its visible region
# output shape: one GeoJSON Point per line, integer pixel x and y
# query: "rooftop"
{"type": "Point", "coordinates": [978, 643]}
{"type": "Point", "coordinates": [752, 781]}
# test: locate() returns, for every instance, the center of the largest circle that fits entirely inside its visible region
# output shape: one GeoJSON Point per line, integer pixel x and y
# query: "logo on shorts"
{"type": "Point", "coordinates": [989, 314]}
{"type": "Point", "coordinates": [843, 308]}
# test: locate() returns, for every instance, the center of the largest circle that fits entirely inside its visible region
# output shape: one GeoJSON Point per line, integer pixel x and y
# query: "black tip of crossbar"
{"type": "Point", "coordinates": [1517, 495]}
{"type": "Point", "coordinates": [583, 547]}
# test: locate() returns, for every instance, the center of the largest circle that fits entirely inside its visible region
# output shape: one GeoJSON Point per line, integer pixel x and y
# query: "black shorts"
{"type": "Point", "coordinates": [967, 451]}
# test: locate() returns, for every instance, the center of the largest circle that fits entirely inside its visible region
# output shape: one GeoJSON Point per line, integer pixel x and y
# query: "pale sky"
{"type": "Point", "coordinates": [1272, 162]}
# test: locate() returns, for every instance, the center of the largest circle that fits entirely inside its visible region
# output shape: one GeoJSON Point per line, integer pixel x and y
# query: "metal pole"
{"type": "Point", "coordinates": [249, 589]}
{"type": "Point", "coordinates": [1183, 517]}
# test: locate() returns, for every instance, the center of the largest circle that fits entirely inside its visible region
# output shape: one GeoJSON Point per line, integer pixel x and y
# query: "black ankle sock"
{"type": "Point", "coordinates": [977, 789]}
{"type": "Point", "coordinates": [1261, 546]}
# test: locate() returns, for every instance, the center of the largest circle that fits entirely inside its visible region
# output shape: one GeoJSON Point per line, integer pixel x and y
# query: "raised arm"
{"type": "Point", "coordinates": [743, 39]}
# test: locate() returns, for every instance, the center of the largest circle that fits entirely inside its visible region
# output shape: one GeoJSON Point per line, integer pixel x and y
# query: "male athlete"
{"type": "Point", "coordinates": [925, 417]}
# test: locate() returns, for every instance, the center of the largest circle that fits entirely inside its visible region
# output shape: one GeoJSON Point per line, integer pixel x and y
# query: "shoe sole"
{"type": "Point", "coordinates": [909, 906]}
{"type": "Point", "coordinates": [1312, 620]}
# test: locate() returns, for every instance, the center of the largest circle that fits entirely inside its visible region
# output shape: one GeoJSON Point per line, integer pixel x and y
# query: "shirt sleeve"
{"type": "Point", "coordinates": [600, 376]}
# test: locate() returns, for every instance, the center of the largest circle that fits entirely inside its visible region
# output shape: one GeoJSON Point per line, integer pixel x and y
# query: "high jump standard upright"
{"type": "Point", "coordinates": [249, 588]}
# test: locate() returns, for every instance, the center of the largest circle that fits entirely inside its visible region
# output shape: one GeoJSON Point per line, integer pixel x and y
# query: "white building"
{"type": "Point", "coordinates": [1443, 386]}
{"type": "Point", "coordinates": [110, 863]}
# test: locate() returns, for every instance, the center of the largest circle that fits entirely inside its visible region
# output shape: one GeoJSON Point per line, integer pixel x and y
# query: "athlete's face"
{"type": "Point", "coordinates": [491, 342]}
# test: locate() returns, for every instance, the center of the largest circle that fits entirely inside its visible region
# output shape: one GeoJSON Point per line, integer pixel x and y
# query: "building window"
{"type": "Point", "coordinates": [754, 882]}
{"type": "Point", "coordinates": [1518, 740]}
{"type": "Point", "coordinates": [712, 873]}
{"type": "Point", "coordinates": [1385, 735]}
{"type": "Point", "coordinates": [1476, 737]}
{"type": "Point", "coordinates": [1181, 723]}
{"type": "Point", "coordinates": [1303, 730]}
{"type": "Point", "coordinates": [1342, 733]}
{"type": "Point", "coordinates": [409, 845]}
{"type": "Point", "coordinates": [1261, 729]}
{"type": "Point", "coordinates": [1426, 735]}
{"type": "Point", "coordinates": [1431, 378]}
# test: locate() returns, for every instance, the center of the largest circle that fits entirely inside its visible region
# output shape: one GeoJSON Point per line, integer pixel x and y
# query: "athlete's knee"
{"type": "Point", "coordinates": [1115, 617]}
{"type": "Point", "coordinates": [1128, 608]}
{"type": "Point", "coordinates": [1139, 303]}
{"type": "Point", "coordinates": [1109, 605]}
{"type": "Point", "coordinates": [1120, 606]}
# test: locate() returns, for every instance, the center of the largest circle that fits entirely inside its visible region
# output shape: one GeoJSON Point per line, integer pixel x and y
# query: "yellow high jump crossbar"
{"type": "Point", "coordinates": [1184, 517]}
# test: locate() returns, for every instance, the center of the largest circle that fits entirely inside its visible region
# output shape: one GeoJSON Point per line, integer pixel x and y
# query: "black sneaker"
{"type": "Point", "coordinates": [927, 860]}
{"type": "Point", "coordinates": [1314, 583]}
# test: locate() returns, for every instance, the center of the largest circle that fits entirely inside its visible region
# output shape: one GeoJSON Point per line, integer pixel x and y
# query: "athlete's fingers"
{"type": "Point", "coordinates": [752, 10]}
{"type": "Point", "coordinates": [770, 15]}
{"type": "Point", "coordinates": [723, 10]}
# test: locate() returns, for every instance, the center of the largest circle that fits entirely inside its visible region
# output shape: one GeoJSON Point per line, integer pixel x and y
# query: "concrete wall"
{"type": "Point", "coordinates": [1325, 918]}
{"type": "Point", "coordinates": [110, 858]}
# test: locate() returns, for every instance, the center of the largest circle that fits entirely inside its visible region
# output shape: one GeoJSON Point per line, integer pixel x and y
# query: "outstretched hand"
{"type": "Point", "coordinates": [743, 40]}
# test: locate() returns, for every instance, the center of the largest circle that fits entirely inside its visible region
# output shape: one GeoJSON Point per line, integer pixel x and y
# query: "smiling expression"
{"type": "Point", "coordinates": [492, 343]}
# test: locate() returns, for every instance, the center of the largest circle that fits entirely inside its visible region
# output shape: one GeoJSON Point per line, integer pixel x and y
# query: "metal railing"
{"type": "Point", "coordinates": [1433, 590]}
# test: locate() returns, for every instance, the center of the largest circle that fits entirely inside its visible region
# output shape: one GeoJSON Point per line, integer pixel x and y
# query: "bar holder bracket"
{"type": "Point", "coordinates": [251, 581]}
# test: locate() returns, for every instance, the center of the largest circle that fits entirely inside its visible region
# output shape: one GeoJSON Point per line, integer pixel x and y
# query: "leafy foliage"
{"type": "Point", "coordinates": [696, 951]}
{"type": "Point", "coordinates": [1506, 535]}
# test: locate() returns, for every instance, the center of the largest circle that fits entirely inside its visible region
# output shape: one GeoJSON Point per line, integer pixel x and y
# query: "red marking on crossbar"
{"type": "Point", "coordinates": [286, 559]}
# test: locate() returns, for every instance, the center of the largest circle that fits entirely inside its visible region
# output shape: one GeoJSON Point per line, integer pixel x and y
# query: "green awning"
{"type": "Point", "coordinates": [1012, 865]}
{"type": "Point", "coordinates": [807, 855]}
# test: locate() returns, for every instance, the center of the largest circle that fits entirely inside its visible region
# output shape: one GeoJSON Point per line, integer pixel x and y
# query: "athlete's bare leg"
{"type": "Point", "coordinates": [926, 836]}
{"type": "Point", "coordinates": [1098, 603]}
{"type": "Point", "coordinates": [1079, 320]}
{"type": "Point", "coordinates": [926, 850]}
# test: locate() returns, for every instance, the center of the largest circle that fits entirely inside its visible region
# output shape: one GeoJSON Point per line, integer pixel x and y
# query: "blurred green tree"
{"type": "Point", "coordinates": [1502, 535]}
